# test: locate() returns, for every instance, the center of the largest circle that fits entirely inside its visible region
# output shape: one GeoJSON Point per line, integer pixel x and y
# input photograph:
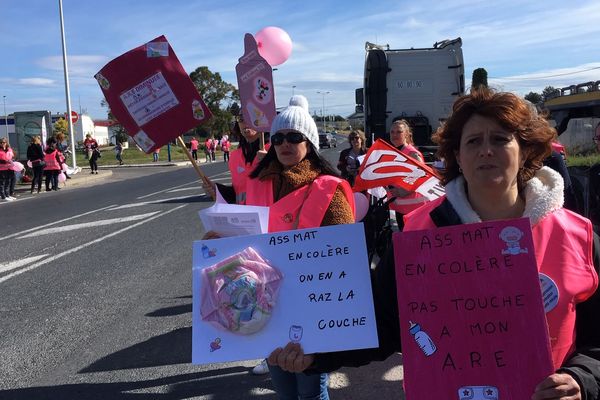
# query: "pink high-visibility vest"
{"type": "Point", "coordinates": [51, 161]}
{"type": "Point", "coordinates": [305, 207]}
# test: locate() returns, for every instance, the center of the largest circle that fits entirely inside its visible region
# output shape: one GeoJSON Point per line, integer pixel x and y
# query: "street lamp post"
{"type": "Point", "coordinates": [5, 118]}
{"type": "Point", "coordinates": [67, 90]}
{"type": "Point", "coordinates": [323, 111]}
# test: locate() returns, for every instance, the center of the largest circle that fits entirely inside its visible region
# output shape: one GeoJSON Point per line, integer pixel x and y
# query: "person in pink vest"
{"type": "Point", "coordinates": [194, 148]}
{"type": "Point", "coordinates": [207, 147]}
{"type": "Point", "coordinates": [404, 201]}
{"type": "Point", "coordinates": [53, 159]}
{"type": "Point", "coordinates": [494, 147]}
{"type": "Point", "coordinates": [6, 161]}
{"type": "Point", "coordinates": [225, 147]}
{"type": "Point", "coordinates": [302, 190]}
{"type": "Point", "coordinates": [245, 158]}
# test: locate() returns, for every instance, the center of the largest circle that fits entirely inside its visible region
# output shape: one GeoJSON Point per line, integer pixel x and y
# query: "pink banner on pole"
{"type": "Point", "coordinates": [151, 95]}
{"type": "Point", "coordinates": [471, 314]}
{"type": "Point", "coordinates": [255, 82]}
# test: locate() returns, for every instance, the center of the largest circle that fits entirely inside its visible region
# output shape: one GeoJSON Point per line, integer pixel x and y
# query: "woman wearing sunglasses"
{"type": "Point", "coordinates": [302, 190]}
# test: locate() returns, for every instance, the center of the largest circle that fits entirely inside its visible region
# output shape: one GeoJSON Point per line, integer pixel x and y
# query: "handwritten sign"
{"type": "Point", "coordinates": [324, 300]}
{"type": "Point", "coordinates": [255, 82]}
{"type": "Point", "coordinates": [151, 95]}
{"type": "Point", "coordinates": [471, 312]}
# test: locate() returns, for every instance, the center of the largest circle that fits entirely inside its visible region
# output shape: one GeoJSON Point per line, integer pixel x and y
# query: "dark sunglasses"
{"type": "Point", "coordinates": [291, 137]}
{"type": "Point", "coordinates": [355, 138]}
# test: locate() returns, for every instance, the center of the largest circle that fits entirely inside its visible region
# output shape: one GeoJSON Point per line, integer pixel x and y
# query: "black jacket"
{"type": "Point", "coordinates": [35, 152]}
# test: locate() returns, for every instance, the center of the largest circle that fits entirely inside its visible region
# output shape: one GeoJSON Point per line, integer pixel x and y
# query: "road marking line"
{"type": "Point", "coordinates": [88, 225]}
{"type": "Point", "coordinates": [19, 263]}
{"type": "Point", "coordinates": [74, 249]}
{"type": "Point", "coordinates": [164, 190]}
{"type": "Point", "coordinates": [179, 186]}
{"type": "Point", "coordinates": [145, 203]}
{"type": "Point", "coordinates": [199, 187]}
{"type": "Point", "coordinates": [54, 223]}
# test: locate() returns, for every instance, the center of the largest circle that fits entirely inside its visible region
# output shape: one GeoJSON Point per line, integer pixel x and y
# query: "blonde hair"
{"type": "Point", "coordinates": [408, 134]}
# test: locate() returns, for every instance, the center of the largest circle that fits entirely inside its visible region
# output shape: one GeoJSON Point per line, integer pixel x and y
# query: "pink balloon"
{"type": "Point", "coordinates": [274, 45]}
{"type": "Point", "coordinates": [29, 164]}
{"type": "Point", "coordinates": [62, 177]}
{"type": "Point", "coordinates": [18, 167]}
{"type": "Point", "coordinates": [64, 167]}
{"type": "Point", "coordinates": [362, 206]}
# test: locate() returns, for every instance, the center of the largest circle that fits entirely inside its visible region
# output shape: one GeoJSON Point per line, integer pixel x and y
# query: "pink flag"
{"type": "Point", "coordinates": [255, 82]}
{"type": "Point", "coordinates": [472, 321]}
{"type": "Point", "coordinates": [151, 95]}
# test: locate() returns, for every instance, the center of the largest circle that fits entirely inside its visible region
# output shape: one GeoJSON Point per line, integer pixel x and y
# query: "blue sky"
{"type": "Point", "coordinates": [524, 45]}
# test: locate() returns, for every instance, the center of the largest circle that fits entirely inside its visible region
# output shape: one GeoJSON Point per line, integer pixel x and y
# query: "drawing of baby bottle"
{"type": "Point", "coordinates": [422, 339]}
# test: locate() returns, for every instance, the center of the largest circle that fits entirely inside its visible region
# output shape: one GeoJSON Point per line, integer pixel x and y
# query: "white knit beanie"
{"type": "Point", "coordinates": [297, 118]}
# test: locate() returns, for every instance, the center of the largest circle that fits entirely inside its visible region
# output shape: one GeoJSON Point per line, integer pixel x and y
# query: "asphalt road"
{"type": "Point", "coordinates": [95, 296]}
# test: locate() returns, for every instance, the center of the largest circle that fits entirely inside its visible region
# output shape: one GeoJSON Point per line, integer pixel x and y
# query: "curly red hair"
{"type": "Point", "coordinates": [512, 113]}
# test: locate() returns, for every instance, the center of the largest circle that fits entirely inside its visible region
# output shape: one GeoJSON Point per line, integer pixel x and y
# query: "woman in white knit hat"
{"type": "Point", "coordinates": [302, 190]}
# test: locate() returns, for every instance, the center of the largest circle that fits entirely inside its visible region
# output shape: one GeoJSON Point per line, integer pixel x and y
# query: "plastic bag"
{"type": "Point", "coordinates": [239, 293]}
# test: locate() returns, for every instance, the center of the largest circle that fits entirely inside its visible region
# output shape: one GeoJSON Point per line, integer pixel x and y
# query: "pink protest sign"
{"type": "Point", "coordinates": [471, 315]}
{"type": "Point", "coordinates": [255, 82]}
{"type": "Point", "coordinates": [151, 95]}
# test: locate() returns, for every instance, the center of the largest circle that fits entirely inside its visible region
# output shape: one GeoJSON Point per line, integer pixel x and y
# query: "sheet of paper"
{"type": "Point", "coordinates": [235, 220]}
{"type": "Point", "coordinates": [324, 301]}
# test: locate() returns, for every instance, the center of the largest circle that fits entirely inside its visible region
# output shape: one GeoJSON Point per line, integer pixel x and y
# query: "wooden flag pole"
{"type": "Point", "coordinates": [196, 167]}
{"type": "Point", "coordinates": [262, 140]}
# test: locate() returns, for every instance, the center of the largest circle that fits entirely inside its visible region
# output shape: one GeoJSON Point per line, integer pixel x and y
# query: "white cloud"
{"type": "Point", "coordinates": [36, 81]}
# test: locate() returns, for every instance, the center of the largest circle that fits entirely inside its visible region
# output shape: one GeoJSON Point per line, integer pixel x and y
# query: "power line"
{"type": "Point", "coordinates": [546, 76]}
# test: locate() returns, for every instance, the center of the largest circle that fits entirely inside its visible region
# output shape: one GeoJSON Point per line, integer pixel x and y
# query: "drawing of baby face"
{"type": "Point", "coordinates": [511, 234]}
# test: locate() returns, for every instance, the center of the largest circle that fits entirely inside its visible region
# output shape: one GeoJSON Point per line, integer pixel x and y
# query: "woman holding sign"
{"type": "Point", "coordinates": [494, 148]}
{"type": "Point", "coordinates": [245, 158]}
{"type": "Point", "coordinates": [302, 190]}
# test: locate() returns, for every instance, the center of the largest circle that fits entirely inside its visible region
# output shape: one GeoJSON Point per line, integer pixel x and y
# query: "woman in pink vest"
{"type": "Point", "coordinates": [494, 147]}
{"type": "Point", "coordinates": [225, 146]}
{"type": "Point", "coordinates": [404, 201]}
{"type": "Point", "coordinates": [302, 190]}
{"type": "Point", "coordinates": [245, 158]}
{"type": "Point", "coordinates": [6, 161]}
{"type": "Point", "coordinates": [53, 159]}
{"type": "Point", "coordinates": [194, 148]}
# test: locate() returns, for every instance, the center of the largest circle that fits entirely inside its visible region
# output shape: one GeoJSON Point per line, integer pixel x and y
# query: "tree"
{"type": "Point", "coordinates": [549, 92]}
{"type": "Point", "coordinates": [479, 78]}
{"type": "Point", "coordinates": [61, 126]}
{"type": "Point", "coordinates": [120, 132]}
{"type": "Point", "coordinates": [219, 96]}
{"type": "Point", "coordinates": [534, 97]}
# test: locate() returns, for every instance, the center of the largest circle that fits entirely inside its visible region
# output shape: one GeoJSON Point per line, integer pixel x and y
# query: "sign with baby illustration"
{"type": "Point", "coordinates": [471, 312]}
{"type": "Point", "coordinates": [255, 82]}
{"type": "Point", "coordinates": [255, 293]}
{"type": "Point", "coordinates": [151, 95]}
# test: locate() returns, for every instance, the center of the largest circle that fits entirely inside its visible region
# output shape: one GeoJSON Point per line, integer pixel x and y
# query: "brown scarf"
{"type": "Point", "coordinates": [286, 180]}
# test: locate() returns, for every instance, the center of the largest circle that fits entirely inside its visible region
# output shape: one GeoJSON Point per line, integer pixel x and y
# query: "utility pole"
{"type": "Point", "coordinates": [5, 120]}
{"type": "Point", "coordinates": [323, 113]}
{"type": "Point", "coordinates": [67, 90]}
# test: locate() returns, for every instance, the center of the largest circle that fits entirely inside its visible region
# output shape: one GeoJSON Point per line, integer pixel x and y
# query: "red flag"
{"type": "Point", "coordinates": [385, 165]}
{"type": "Point", "coordinates": [151, 95]}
